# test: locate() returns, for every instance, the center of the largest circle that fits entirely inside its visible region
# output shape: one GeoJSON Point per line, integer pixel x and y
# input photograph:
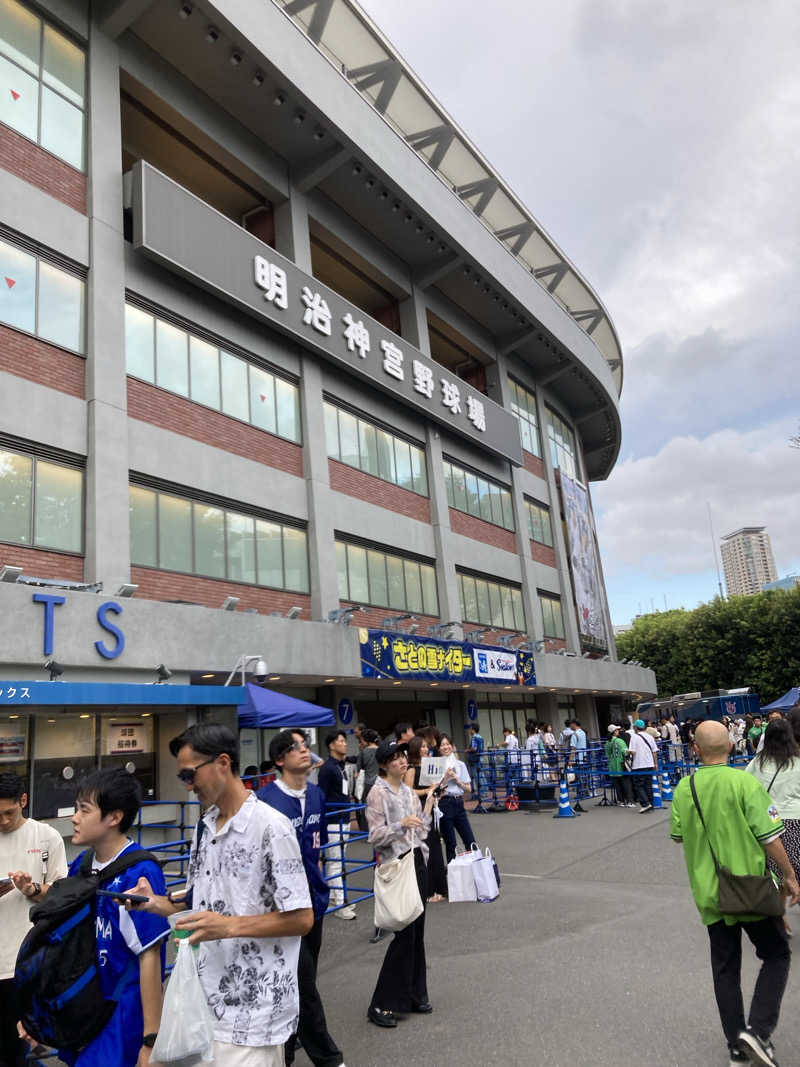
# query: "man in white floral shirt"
{"type": "Point", "coordinates": [248, 901]}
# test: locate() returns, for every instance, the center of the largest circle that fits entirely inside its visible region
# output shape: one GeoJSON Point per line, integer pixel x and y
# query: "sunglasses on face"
{"type": "Point", "coordinates": [188, 773]}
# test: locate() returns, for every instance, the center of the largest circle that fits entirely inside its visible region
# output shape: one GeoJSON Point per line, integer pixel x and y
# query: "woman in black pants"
{"type": "Point", "coordinates": [456, 785]}
{"type": "Point", "coordinates": [436, 883]}
{"type": "Point", "coordinates": [397, 822]}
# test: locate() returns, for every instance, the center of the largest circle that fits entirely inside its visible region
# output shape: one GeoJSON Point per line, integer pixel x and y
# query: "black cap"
{"type": "Point", "coordinates": [387, 749]}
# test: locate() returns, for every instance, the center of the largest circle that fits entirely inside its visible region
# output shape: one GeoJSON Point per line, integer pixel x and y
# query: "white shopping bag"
{"type": "Point", "coordinates": [485, 878]}
{"type": "Point", "coordinates": [186, 1034]}
{"type": "Point", "coordinates": [461, 879]}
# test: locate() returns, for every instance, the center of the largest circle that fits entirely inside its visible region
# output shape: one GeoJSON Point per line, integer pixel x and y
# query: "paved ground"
{"type": "Point", "coordinates": [593, 956]}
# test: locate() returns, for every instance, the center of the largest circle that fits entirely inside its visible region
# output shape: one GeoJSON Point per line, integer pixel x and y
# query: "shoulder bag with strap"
{"type": "Point", "coordinates": [741, 894]}
{"type": "Point", "coordinates": [61, 1001]}
{"type": "Point", "coordinates": [397, 898]}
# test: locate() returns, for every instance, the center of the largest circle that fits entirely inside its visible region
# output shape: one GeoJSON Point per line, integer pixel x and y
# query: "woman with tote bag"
{"type": "Point", "coordinates": [398, 825]}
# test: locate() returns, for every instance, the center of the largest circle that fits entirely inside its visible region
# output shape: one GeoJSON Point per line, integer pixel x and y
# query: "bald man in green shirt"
{"type": "Point", "coordinates": [744, 827]}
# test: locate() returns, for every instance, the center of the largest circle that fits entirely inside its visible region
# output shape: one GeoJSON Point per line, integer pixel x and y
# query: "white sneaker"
{"type": "Point", "coordinates": [346, 913]}
{"type": "Point", "coordinates": [756, 1049]}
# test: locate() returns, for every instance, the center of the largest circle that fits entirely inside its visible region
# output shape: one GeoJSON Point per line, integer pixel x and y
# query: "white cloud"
{"type": "Point", "coordinates": [652, 516]}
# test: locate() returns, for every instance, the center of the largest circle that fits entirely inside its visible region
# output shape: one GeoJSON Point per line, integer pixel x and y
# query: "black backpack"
{"type": "Point", "coordinates": [61, 1002]}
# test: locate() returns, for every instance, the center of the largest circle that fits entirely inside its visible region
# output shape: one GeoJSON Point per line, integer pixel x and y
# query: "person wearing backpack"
{"type": "Point", "coordinates": [130, 946]}
{"type": "Point", "coordinates": [32, 857]}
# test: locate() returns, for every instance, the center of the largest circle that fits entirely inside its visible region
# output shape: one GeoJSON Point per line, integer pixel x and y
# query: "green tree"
{"type": "Point", "coordinates": [725, 644]}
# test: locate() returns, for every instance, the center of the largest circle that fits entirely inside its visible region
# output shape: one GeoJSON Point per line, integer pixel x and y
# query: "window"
{"type": "Point", "coordinates": [195, 537]}
{"type": "Point", "coordinates": [41, 503]}
{"type": "Point", "coordinates": [562, 444]}
{"type": "Point", "coordinates": [478, 496]}
{"type": "Point", "coordinates": [361, 444]}
{"type": "Point", "coordinates": [42, 83]}
{"type": "Point", "coordinates": [488, 603]}
{"type": "Point", "coordinates": [39, 298]}
{"type": "Point", "coordinates": [169, 357]}
{"type": "Point", "coordinates": [551, 614]}
{"type": "Point", "coordinates": [523, 405]}
{"type": "Point", "coordinates": [384, 580]}
{"type": "Point", "coordinates": [539, 526]}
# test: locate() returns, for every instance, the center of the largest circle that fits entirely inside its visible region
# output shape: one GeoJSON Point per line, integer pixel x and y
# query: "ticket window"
{"type": "Point", "coordinates": [127, 742]}
{"type": "Point", "coordinates": [65, 754]}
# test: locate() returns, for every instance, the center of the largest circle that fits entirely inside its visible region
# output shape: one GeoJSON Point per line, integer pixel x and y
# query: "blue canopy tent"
{"type": "Point", "coordinates": [788, 700]}
{"type": "Point", "coordinates": [266, 708]}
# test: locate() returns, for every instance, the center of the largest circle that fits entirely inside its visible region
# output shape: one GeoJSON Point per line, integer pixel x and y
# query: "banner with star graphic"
{"type": "Point", "coordinates": [406, 657]}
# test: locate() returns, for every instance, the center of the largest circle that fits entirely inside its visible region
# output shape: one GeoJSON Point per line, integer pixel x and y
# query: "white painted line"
{"type": "Point", "coordinates": [505, 874]}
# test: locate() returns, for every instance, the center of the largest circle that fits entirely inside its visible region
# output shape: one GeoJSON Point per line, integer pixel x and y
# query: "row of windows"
{"type": "Point", "coordinates": [523, 405]}
{"type": "Point", "coordinates": [493, 604]}
{"type": "Point", "coordinates": [539, 526]}
{"type": "Point", "coordinates": [553, 620]}
{"type": "Point", "coordinates": [562, 445]}
{"type": "Point", "coordinates": [173, 359]}
{"type": "Point", "coordinates": [478, 496]}
{"type": "Point", "coordinates": [39, 298]}
{"type": "Point", "coordinates": [367, 576]}
{"type": "Point", "coordinates": [42, 83]}
{"type": "Point", "coordinates": [41, 503]}
{"type": "Point", "coordinates": [176, 534]}
{"type": "Point", "coordinates": [362, 444]}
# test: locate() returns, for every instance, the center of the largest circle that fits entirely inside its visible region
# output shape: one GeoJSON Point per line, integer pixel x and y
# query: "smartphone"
{"type": "Point", "coordinates": [134, 898]}
{"type": "Point", "coordinates": [4, 882]}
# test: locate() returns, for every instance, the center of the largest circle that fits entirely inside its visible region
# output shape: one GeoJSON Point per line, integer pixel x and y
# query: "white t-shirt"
{"type": "Point", "coordinates": [453, 789]}
{"type": "Point", "coordinates": [25, 849]}
{"type": "Point", "coordinates": [250, 867]}
{"type": "Point", "coordinates": [298, 794]}
{"type": "Point", "coordinates": [643, 748]}
{"type": "Point", "coordinates": [512, 742]}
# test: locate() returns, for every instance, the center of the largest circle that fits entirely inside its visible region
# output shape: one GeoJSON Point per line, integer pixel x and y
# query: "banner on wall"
{"type": "Point", "coordinates": [410, 658]}
{"type": "Point", "coordinates": [125, 738]}
{"type": "Point", "coordinates": [13, 742]}
{"type": "Point", "coordinates": [589, 593]}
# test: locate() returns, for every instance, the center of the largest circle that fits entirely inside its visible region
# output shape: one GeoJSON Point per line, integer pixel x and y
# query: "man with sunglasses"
{"type": "Point", "coordinates": [303, 804]}
{"type": "Point", "coordinates": [248, 899]}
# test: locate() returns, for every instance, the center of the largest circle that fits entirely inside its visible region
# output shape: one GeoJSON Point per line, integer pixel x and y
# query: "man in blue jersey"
{"type": "Point", "coordinates": [303, 804]}
{"type": "Point", "coordinates": [130, 945]}
{"type": "Point", "coordinates": [476, 748]}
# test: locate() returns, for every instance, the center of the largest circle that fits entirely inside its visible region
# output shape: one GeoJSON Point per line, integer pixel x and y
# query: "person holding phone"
{"type": "Point", "coordinates": [32, 857]}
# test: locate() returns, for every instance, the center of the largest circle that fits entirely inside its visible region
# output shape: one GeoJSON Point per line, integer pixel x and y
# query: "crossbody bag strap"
{"type": "Point", "coordinates": [702, 820]}
{"type": "Point", "coordinates": [775, 775]}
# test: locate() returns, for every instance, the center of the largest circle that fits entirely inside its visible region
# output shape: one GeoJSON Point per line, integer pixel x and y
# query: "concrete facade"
{"type": "Point", "coordinates": [281, 136]}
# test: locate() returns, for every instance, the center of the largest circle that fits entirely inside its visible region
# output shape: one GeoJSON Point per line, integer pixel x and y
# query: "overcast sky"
{"type": "Point", "coordinates": [659, 144]}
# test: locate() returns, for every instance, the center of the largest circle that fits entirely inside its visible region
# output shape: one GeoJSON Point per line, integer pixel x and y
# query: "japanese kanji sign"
{"type": "Point", "coordinates": [181, 232]}
{"type": "Point", "coordinates": [396, 655]}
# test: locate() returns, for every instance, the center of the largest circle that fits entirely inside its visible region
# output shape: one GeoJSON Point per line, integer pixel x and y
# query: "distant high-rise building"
{"type": "Point", "coordinates": [748, 560]}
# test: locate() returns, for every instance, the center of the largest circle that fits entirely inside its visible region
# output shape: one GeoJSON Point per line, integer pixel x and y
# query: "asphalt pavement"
{"type": "Point", "coordinates": [593, 956]}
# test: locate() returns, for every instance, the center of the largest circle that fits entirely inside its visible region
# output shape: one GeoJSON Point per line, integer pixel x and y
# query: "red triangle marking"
{"type": "Point", "coordinates": [15, 95]}
{"type": "Point", "coordinates": [263, 397]}
{"type": "Point", "coordinates": [10, 282]}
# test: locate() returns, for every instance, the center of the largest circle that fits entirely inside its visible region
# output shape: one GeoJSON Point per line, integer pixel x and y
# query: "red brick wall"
{"type": "Point", "coordinates": [41, 563]}
{"type": "Point", "coordinates": [491, 636]}
{"type": "Point", "coordinates": [353, 482]}
{"type": "Point", "coordinates": [169, 585]}
{"type": "Point", "coordinates": [543, 554]}
{"type": "Point", "coordinates": [373, 618]}
{"type": "Point", "coordinates": [48, 173]}
{"type": "Point", "coordinates": [533, 464]}
{"type": "Point", "coordinates": [554, 643]}
{"type": "Point", "coordinates": [479, 530]}
{"type": "Point", "coordinates": [156, 406]}
{"type": "Point", "coordinates": [38, 361]}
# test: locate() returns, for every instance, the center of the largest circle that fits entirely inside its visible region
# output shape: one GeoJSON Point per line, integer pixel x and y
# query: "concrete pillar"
{"type": "Point", "coordinates": [292, 237]}
{"type": "Point", "coordinates": [562, 557]}
{"type": "Point", "coordinates": [107, 514]}
{"type": "Point", "coordinates": [446, 582]}
{"type": "Point", "coordinates": [321, 545]}
{"type": "Point", "coordinates": [414, 320]}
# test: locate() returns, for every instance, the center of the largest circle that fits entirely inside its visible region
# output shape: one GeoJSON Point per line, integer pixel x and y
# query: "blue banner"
{"type": "Point", "coordinates": [407, 657]}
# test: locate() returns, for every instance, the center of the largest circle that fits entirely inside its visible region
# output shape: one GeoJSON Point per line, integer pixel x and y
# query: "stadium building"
{"type": "Point", "coordinates": [289, 375]}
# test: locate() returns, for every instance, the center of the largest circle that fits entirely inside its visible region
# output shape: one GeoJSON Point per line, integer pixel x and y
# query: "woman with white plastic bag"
{"type": "Point", "coordinates": [398, 826]}
{"type": "Point", "coordinates": [186, 1034]}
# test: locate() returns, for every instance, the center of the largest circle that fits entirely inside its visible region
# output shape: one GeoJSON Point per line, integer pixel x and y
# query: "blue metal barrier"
{"type": "Point", "coordinates": [335, 853]}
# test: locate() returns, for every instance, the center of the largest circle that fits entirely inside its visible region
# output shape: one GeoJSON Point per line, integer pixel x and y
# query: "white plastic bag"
{"type": "Point", "coordinates": [461, 878]}
{"type": "Point", "coordinates": [485, 878]}
{"type": "Point", "coordinates": [186, 1034]}
{"type": "Point", "coordinates": [358, 788]}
